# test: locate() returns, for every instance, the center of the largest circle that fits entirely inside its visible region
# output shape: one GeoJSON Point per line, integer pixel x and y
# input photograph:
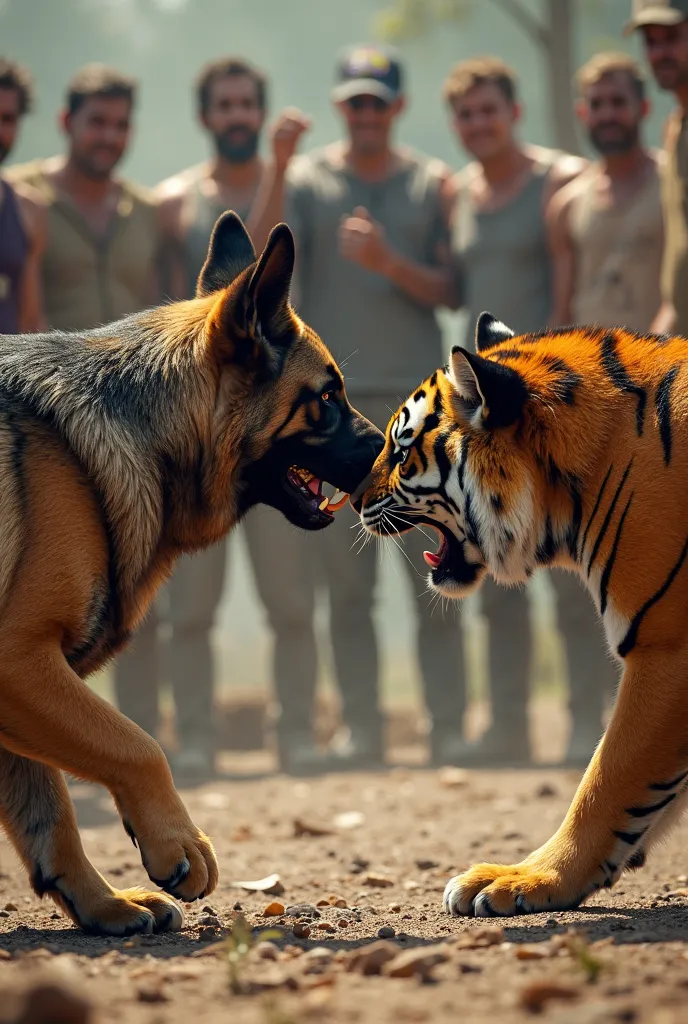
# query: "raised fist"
{"type": "Point", "coordinates": [285, 134]}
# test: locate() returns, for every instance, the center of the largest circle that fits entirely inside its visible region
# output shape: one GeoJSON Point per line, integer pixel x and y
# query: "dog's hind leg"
{"type": "Point", "coordinates": [38, 815]}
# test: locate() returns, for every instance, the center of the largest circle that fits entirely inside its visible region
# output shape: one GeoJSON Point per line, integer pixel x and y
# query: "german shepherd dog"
{"type": "Point", "coordinates": [121, 448]}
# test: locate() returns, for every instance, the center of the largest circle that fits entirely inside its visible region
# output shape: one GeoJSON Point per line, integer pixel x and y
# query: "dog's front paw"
{"type": "Point", "coordinates": [501, 890]}
{"type": "Point", "coordinates": [179, 858]}
{"type": "Point", "coordinates": [102, 910]}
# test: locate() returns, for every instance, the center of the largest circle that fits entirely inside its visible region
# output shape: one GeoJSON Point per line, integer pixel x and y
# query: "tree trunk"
{"type": "Point", "coordinates": [558, 53]}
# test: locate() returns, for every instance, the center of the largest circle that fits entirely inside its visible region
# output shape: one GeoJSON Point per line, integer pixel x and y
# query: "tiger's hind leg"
{"type": "Point", "coordinates": [38, 815]}
{"type": "Point", "coordinates": [630, 794]}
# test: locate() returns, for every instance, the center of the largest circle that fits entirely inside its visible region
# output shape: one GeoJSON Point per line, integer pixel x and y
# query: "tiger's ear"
{"type": "Point", "coordinates": [230, 252]}
{"type": "Point", "coordinates": [490, 331]}
{"type": "Point", "coordinates": [495, 392]}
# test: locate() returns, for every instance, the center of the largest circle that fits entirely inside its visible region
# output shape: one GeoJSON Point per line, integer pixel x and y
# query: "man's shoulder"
{"type": "Point", "coordinates": [563, 201]}
{"type": "Point", "coordinates": [306, 166]}
{"type": "Point", "coordinates": [414, 158]}
{"type": "Point", "coordinates": [177, 186]}
{"type": "Point", "coordinates": [31, 174]}
{"type": "Point", "coordinates": [140, 194]}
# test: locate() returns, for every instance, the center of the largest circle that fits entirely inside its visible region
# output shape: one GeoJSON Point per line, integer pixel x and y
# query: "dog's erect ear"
{"type": "Point", "coordinates": [229, 253]}
{"type": "Point", "coordinates": [495, 392]}
{"type": "Point", "coordinates": [252, 324]}
{"type": "Point", "coordinates": [267, 292]}
{"type": "Point", "coordinates": [490, 331]}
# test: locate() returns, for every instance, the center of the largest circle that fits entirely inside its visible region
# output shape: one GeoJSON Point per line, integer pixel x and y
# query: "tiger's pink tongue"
{"type": "Point", "coordinates": [432, 559]}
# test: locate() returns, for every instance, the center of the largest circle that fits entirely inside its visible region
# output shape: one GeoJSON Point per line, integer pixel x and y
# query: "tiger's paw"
{"type": "Point", "coordinates": [123, 912]}
{"type": "Point", "coordinates": [501, 890]}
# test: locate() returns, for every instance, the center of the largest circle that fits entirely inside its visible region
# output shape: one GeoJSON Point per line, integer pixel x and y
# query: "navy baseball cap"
{"type": "Point", "coordinates": [368, 70]}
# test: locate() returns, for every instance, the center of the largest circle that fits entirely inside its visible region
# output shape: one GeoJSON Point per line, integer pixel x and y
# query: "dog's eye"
{"type": "Point", "coordinates": [326, 397]}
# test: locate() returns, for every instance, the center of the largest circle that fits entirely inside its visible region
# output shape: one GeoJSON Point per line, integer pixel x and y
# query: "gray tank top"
{"type": "Point", "coordinates": [501, 258]}
{"type": "Point", "coordinates": [386, 341]}
{"type": "Point", "coordinates": [14, 248]}
{"type": "Point", "coordinates": [200, 217]}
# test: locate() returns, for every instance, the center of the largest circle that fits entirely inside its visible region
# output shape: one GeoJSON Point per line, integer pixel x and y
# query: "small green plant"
{"type": "Point", "coordinates": [238, 945]}
{"type": "Point", "coordinates": [580, 952]}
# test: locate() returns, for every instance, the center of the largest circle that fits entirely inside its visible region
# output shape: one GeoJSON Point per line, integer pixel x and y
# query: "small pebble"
{"type": "Point", "coordinates": [237, 906]}
{"type": "Point", "coordinates": [11, 906]}
{"type": "Point", "coordinates": [209, 920]}
{"type": "Point", "coordinates": [152, 993]}
{"type": "Point", "coordinates": [267, 951]}
{"type": "Point", "coordinates": [342, 923]}
{"type": "Point", "coordinates": [302, 910]}
{"type": "Point", "coordinates": [207, 909]}
{"type": "Point", "coordinates": [205, 935]}
{"type": "Point", "coordinates": [301, 930]}
{"type": "Point", "coordinates": [274, 909]}
{"type": "Point", "coordinates": [386, 932]}
{"type": "Point", "coordinates": [325, 926]}
{"type": "Point", "coordinates": [394, 907]}
{"type": "Point", "coordinates": [426, 865]}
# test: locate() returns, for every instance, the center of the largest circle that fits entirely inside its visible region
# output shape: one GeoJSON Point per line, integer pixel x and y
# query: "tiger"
{"type": "Point", "coordinates": [564, 448]}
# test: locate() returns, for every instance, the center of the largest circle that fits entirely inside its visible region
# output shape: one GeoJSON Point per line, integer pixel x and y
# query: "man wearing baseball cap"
{"type": "Point", "coordinates": [371, 222]}
{"type": "Point", "coordinates": [664, 26]}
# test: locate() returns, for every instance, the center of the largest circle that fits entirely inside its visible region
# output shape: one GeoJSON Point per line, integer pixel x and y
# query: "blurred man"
{"type": "Point", "coordinates": [664, 27]}
{"type": "Point", "coordinates": [231, 102]}
{"type": "Point", "coordinates": [22, 215]}
{"type": "Point", "coordinates": [502, 263]}
{"type": "Point", "coordinates": [606, 226]}
{"type": "Point", "coordinates": [371, 221]}
{"type": "Point", "coordinates": [99, 261]}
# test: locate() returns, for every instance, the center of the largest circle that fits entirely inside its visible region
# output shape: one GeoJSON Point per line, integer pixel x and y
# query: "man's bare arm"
{"type": "Point", "coordinates": [557, 221]}
{"type": "Point", "coordinates": [170, 277]}
{"type": "Point", "coordinates": [665, 319]}
{"type": "Point", "coordinates": [268, 206]}
{"type": "Point", "coordinates": [34, 217]}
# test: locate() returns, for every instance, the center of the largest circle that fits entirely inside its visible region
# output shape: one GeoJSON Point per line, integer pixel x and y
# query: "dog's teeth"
{"type": "Point", "coordinates": [338, 501]}
{"type": "Point", "coordinates": [323, 504]}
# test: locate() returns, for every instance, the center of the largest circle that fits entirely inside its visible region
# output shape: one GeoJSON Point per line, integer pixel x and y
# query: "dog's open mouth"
{"type": "Point", "coordinates": [308, 488]}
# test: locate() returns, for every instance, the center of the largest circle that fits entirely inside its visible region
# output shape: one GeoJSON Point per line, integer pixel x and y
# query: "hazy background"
{"type": "Point", "coordinates": [164, 43]}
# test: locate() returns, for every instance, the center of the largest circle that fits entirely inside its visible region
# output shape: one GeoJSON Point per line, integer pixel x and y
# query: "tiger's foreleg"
{"type": "Point", "coordinates": [631, 793]}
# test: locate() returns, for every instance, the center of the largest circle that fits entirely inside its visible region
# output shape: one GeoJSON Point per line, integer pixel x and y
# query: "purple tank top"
{"type": "Point", "coordinates": [14, 248]}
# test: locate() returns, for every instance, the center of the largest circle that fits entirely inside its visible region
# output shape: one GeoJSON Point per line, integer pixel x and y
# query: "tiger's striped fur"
{"type": "Point", "coordinates": [565, 448]}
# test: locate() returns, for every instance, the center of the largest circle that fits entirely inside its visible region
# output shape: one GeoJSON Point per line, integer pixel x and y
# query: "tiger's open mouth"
{"type": "Point", "coordinates": [308, 490]}
{"type": "Point", "coordinates": [449, 564]}
{"type": "Point", "coordinates": [434, 558]}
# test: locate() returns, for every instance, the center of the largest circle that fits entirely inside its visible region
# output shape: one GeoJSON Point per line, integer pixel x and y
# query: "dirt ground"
{"type": "Point", "coordinates": [408, 830]}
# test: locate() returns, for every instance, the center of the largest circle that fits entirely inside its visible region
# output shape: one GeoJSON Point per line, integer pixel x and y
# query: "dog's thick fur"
{"type": "Point", "coordinates": [121, 448]}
